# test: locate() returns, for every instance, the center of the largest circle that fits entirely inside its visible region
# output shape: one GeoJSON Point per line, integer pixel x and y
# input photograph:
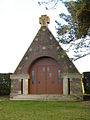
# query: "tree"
{"type": "Point", "coordinates": [76, 26]}
{"type": "Point", "coordinates": [80, 12]}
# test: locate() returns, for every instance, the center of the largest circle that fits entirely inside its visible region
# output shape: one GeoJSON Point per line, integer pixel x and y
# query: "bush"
{"type": "Point", "coordinates": [86, 81]}
{"type": "Point", "coordinates": [5, 84]}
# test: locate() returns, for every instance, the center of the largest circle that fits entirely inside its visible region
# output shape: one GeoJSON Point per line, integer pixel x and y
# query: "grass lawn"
{"type": "Point", "coordinates": [38, 110]}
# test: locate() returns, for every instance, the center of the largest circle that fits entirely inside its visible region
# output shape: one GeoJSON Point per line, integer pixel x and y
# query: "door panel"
{"type": "Point", "coordinates": [33, 81]}
{"type": "Point", "coordinates": [41, 79]}
{"type": "Point", "coordinates": [50, 79]}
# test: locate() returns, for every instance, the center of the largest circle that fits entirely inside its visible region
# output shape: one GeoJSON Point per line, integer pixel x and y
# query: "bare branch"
{"type": "Point", "coordinates": [81, 56]}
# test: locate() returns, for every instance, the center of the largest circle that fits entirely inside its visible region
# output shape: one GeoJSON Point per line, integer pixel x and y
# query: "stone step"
{"type": "Point", "coordinates": [45, 97]}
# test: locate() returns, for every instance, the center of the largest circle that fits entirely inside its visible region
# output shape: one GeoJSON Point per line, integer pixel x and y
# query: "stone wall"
{"type": "Point", "coordinates": [16, 84]}
{"type": "Point", "coordinates": [75, 86]}
{"type": "Point", "coordinates": [75, 83]}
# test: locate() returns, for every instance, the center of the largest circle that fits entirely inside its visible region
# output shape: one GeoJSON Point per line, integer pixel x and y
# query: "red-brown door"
{"type": "Point", "coordinates": [51, 79]}
{"type": "Point", "coordinates": [45, 77]}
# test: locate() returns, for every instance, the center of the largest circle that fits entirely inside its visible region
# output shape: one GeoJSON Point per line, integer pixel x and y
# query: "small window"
{"type": "Point", "coordinates": [43, 68]}
{"type": "Point", "coordinates": [48, 69]}
{"type": "Point", "coordinates": [50, 75]}
{"type": "Point", "coordinates": [39, 82]}
{"type": "Point", "coordinates": [32, 82]}
{"type": "Point", "coordinates": [32, 76]}
{"type": "Point", "coordinates": [58, 76]}
{"type": "Point", "coordinates": [41, 74]}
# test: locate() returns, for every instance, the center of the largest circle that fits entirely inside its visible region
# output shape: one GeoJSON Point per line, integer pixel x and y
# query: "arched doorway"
{"type": "Point", "coordinates": [45, 77]}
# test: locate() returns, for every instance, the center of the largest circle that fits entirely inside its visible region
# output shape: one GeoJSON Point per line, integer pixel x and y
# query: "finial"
{"type": "Point", "coordinates": [44, 20]}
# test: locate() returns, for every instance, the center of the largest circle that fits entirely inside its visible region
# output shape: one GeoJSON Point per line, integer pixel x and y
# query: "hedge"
{"type": "Point", "coordinates": [5, 84]}
{"type": "Point", "coordinates": [86, 81]}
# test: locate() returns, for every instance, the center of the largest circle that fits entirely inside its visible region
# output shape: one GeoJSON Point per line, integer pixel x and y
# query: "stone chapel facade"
{"type": "Point", "coordinates": [45, 67]}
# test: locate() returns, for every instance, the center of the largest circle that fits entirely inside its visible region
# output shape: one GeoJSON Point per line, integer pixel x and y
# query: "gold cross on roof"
{"type": "Point", "coordinates": [44, 20]}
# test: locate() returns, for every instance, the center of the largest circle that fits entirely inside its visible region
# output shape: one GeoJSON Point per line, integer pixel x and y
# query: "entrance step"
{"type": "Point", "coordinates": [47, 97]}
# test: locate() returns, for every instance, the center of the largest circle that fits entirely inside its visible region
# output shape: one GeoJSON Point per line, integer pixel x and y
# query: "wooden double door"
{"type": "Point", "coordinates": [45, 77]}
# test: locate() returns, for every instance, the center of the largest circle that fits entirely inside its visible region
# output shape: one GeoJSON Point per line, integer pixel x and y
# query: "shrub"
{"type": "Point", "coordinates": [5, 84]}
{"type": "Point", "coordinates": [86, 81]}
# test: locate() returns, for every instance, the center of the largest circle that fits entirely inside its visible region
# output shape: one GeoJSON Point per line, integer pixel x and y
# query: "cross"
{"type": "Point", "coordinates": [44, 20]}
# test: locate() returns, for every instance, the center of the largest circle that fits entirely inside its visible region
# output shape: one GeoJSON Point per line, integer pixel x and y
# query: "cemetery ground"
{"type": "Point", "coordinates": [44, 110]}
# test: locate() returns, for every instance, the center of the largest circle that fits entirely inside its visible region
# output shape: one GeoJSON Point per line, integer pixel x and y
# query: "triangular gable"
{"type": "Point", "coordinates": [45, 44]}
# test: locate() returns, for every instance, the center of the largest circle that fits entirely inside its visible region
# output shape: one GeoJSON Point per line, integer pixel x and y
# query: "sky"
{"type": "Point", "coordinates": [19, 23]}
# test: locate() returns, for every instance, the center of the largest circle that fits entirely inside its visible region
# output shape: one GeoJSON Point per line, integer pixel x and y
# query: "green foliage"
{"type": "Point", "coordinates": [79, 15]}
{"type": "Point", "coordinates": [77, 22]}
{"type": "Point", "coordinates": [80, 12]}
{"type": "Point", "coordinates": [5, 83]}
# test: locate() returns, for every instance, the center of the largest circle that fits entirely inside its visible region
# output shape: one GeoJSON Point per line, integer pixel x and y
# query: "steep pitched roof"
{"type": "Point", "coordinates": [45, 44]}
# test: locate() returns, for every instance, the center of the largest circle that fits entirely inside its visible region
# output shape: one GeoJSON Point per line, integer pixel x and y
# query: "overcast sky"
{"type": "Point", "coordinates": [19, 23]}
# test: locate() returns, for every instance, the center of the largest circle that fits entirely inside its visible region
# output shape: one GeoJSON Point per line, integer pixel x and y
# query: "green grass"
{"type": "Point", "coordinates": [36, 110]}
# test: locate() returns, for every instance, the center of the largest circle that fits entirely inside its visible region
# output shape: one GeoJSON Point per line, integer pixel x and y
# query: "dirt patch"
{"type": "Point", "coordinates": [2, 98]}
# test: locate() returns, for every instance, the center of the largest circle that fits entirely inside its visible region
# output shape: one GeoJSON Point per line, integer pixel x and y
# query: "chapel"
{"type": "Point", "coordinates": [45, 68]}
